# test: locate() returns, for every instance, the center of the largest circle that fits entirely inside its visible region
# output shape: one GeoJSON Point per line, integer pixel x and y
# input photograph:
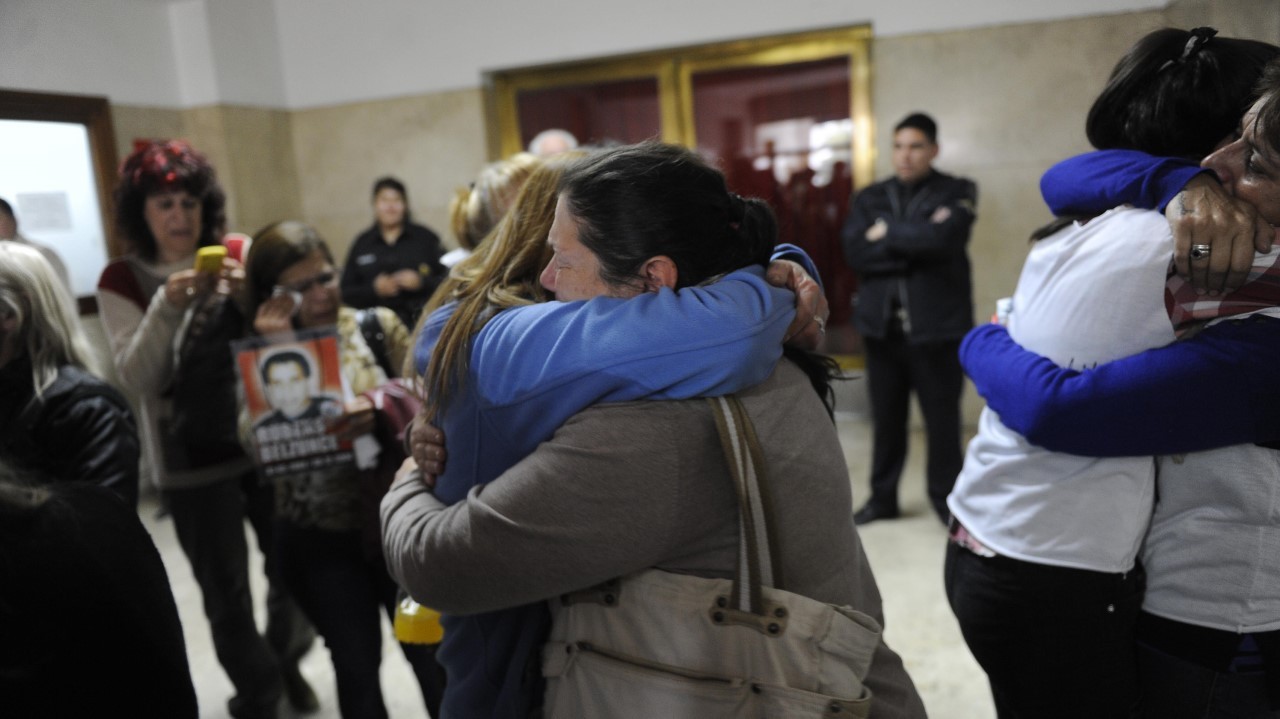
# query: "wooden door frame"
{"type": "Point", "coordinates": [95, 114]}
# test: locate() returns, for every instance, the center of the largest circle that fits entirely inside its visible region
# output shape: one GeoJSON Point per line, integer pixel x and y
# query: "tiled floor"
{"type": "Point", "coordinates": [400, 688]}
{"type": "Point", "coordinates": [906, 555]}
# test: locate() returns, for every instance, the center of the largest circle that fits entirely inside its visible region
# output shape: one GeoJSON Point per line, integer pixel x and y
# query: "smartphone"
{"type": "Point", "coordinates": [209, 259]}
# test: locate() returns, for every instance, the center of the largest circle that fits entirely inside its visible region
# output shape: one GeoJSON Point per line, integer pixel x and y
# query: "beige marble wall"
{"type": "Point", "coordinates": [251, 148]}
{"type": "Point", "coordinates": [132, 122]}
{"type": "Point", "coordinates": [254, 152]}
{"type": "Point", "coordinates": [1009, 101]}
{"type": "Point", "coordinates": [432, 143]}
{"type": "Point", "coordinates": [1254, 19]}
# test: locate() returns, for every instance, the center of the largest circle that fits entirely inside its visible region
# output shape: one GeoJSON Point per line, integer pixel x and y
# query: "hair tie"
{"type": "Point", "coordinates": [1199, 36]}
{"type": "Point", "coordinates": [737, 210]}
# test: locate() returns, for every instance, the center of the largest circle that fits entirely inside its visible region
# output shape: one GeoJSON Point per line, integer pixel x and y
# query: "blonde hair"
{"type": "Point", "coordinates": [503, 272]}
{"type": "Point", "coordinates": [477, 209]}
{"type": "Point", "coordinates": [49, 331]}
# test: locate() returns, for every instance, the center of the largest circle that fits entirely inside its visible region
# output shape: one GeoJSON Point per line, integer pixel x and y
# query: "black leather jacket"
{"type": "Point", "coordinates": [920, 266]}
{"type": "Point", "coordinates": [79, 429]}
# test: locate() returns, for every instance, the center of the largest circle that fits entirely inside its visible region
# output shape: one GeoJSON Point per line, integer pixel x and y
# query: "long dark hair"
{"type": "Point", "coordinates": [1178, 93]}
{"type": "Point", "coordinates": [1175, 93]}
{"type": "Point", "coordinates": [166, 166]}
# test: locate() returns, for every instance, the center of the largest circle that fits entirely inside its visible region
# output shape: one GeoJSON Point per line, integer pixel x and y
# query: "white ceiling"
{"type": "Point", "coordinates": [308, 53]}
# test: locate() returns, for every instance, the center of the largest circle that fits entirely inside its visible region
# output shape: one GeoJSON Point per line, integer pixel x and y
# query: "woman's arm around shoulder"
{"type": "Point", "coordinates": [598, 500]}
{"type": "Point", "coordinates": [1095, 182]}
{"type": "Point", "coordinates": [1216, 389]}
{"type": "Point", "coordinates": [704, 340]}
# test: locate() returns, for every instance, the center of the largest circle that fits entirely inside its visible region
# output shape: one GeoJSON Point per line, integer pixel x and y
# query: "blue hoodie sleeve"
{"type": "Point", "coordinates": [435, 323]}
{"type": "Point", "coordinates": [1216, 389]}
{"type": "Point", "coordinates": [705, 340]}
{"type": "Point", "coordinates": [534, 367]}
{"type": "Point", "coordinates": [1095, 182]}
{"type": "Point", "coordinates": [788, 251]}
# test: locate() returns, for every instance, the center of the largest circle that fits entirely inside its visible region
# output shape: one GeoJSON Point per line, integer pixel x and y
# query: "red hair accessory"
{"type": "Point", "coordinates": [164, 163]}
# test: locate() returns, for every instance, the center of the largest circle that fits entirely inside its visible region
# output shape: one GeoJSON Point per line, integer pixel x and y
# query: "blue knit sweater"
{"type": "Point", "coordinates": [1216, 389]}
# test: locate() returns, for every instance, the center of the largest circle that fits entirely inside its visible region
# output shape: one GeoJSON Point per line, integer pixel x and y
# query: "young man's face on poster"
{"type": "Point", "coordinates": [288, 388]}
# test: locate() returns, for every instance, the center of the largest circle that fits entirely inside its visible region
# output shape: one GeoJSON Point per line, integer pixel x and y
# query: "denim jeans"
{"type": "Point", "coordinates": [1054, 642]}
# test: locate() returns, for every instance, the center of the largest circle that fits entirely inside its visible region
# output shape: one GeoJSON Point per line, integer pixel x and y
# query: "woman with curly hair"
{"type": "Point", "coordinates": [169, 326]}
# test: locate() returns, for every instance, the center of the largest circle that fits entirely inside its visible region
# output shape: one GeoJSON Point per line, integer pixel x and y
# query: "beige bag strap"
{"type": "Point", "coordinates": [758, 564]}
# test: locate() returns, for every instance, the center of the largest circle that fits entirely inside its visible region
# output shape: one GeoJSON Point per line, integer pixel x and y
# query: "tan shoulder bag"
{"type": "Point", "coordinates": [660, 644]}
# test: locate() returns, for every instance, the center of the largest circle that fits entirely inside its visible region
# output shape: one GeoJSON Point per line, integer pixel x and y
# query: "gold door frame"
{"type": "Point", "coordinates": [502, 88]}
{"type": "Point", "coordinates": [674, 70]}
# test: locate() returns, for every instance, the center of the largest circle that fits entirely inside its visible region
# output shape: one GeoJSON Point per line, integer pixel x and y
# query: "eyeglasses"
{"type": "Point", "coordinates": [324, 279]}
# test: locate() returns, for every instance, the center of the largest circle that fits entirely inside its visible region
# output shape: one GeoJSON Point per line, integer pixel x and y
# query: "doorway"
{"type": "Point", "coordinates": [58, 174]}
{"type": "Point", "coordinates": [786, 118]}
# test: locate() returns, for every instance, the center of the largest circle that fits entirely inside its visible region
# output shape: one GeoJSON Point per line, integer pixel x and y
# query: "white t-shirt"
{"type": "Point", "coordinates": [1087, 295]}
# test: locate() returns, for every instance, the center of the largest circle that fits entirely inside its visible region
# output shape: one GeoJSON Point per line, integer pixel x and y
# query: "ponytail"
{"type": "Point", "coordinates": [1177, 93]}
{"type": "Point", "coordinates": [640, 201]}
{"type": "Point", "coordinates": [460, 218]}
{"type": "Point", "coordinates": [757, 228]}
{"type": "Point", "coordinates": [477, 208]}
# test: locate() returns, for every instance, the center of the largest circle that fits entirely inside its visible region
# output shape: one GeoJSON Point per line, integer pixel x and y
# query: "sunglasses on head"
{"type": "Point", "coordinates": [324, 279]}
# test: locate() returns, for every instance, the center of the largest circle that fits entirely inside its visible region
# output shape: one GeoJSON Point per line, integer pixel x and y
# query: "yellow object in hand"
{"type": "Point", "coordinates": [209, 259]}
{"type": "Point", "coordinates": [416, 624]}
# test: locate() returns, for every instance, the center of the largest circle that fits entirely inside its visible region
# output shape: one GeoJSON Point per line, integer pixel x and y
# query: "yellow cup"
{"type": "Point", "coordinates": [416, 624]}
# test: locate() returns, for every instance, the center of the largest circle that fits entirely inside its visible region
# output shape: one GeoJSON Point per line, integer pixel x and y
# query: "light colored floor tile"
{"type": "Point", "coordinates": [907, 556]}
{"type": "Point", "coordinates": [400, 688]}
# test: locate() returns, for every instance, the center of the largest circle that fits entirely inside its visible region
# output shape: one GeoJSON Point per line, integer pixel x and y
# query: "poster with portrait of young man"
{"type": "Point", "coordinates": [293, 394]}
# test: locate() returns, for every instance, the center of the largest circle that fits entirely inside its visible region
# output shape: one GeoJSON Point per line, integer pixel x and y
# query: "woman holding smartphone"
{"type": "Point", "coordinates": [168, 325]}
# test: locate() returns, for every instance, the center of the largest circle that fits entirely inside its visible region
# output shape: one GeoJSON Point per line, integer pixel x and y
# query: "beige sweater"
{"type": "Point", "coordinates": [629, 486]}
{"type": "Point", "coordinates": [143, 344]}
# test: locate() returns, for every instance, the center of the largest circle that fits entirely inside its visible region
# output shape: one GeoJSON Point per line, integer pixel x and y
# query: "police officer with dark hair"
{"type": "Point", "coordinates": [906, 239]}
